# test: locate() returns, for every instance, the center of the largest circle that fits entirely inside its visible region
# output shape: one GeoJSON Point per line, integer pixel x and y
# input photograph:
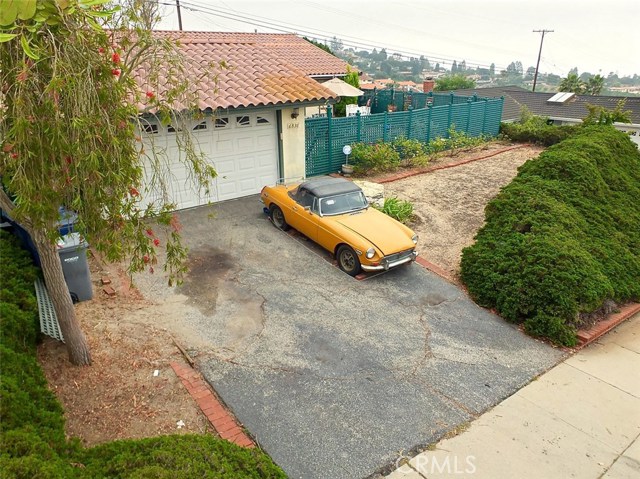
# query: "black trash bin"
{"type": "Point", "coordinates": [73, 256]}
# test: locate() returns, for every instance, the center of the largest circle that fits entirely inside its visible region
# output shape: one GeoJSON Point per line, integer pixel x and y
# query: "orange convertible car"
{"type": "Point", "coordinates": [334, 213]}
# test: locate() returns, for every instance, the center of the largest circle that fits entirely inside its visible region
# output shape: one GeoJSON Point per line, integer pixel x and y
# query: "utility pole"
{"type": "Point", "coordinates": [535, 77]}
{"type": "Point", "coordinates": [179, 15]}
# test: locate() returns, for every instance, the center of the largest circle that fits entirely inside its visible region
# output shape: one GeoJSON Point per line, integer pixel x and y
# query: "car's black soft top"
{"type": "Point", "coordinates": [329, 186]}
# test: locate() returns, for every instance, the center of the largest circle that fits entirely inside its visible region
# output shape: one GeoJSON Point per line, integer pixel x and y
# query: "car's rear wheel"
{"type": "Point", "coordinates": [348, 260]}
{"type": "Point", "coordinates": [277, 218]}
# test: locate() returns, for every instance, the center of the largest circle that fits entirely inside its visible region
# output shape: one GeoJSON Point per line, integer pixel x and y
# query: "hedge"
{"type": "Point", "coordinates": [562, 240]}
{"type": "Point", "coordinates": [32, 437]}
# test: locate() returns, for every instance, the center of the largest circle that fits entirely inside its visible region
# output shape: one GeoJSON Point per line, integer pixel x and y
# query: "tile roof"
{"type": "Point", "coordinates": [537, 102]}
{"type": "Point", "coordinates": [263, 69]}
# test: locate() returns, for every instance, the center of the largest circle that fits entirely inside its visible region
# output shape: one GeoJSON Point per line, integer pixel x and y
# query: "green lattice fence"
{"type": "Point", "coordinates": [326, 136]}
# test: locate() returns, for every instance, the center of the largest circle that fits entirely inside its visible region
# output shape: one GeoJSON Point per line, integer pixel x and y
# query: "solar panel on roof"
{"type": "Point", "coordinates": [561, 97]}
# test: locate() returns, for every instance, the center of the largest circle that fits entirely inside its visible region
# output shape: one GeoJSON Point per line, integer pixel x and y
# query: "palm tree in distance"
{"type": "Point", "coordinates": [594, 85]}
{"type": "Point", "coordinates": [572, 83]}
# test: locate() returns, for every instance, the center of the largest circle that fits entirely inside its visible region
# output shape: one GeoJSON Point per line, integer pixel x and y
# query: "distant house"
{"type": "Point", "coordinates": [253, 132]}
{"type": "Point", "coordinates": [408, 86]}
{"type": "Point", "coordinates": [560, 108]}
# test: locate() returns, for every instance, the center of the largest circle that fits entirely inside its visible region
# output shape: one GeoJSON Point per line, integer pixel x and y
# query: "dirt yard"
{"type": "Point", "coordinates": [449, 203]}
{"type": "Point", "coordinates": [120, 396]}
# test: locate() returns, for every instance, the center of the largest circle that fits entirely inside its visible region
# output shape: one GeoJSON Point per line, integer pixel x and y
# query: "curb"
{"type": "Point", "coordinates": [602, 327]}
{"type": "Point", "coordinates": [407, 174]}
{"type": "Point", "coordinates": [222, 421]}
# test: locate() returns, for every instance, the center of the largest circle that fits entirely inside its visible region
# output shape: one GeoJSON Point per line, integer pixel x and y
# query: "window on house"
{"type": "Point", "coordinates": [200, 126]}
{"type": "Point", "coordinates": [150, 128]}
{"type": "Point", "coordinates": [243, 121]}
{"type": "Point", "coordinates": [173, 129]}
{"type": "Point", "coordinates": [262, 120]}
{"type": "Point", "coordinates": [221, 123]}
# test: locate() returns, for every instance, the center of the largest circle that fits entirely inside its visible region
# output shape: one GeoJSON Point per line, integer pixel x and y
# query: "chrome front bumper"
{"type": "Point", "coordinates": [386, 264]}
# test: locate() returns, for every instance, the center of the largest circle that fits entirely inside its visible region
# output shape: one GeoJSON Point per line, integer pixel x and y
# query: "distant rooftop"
{"type": "Point", "coordinates": [540, 103]}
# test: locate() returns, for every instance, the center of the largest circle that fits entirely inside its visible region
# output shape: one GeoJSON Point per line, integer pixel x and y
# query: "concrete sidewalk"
{"type": "Point", "coordinates": [581, 419]}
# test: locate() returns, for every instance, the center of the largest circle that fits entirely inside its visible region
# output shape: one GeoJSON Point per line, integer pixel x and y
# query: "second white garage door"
{"type": "Point", "coordinates": [242, 147]}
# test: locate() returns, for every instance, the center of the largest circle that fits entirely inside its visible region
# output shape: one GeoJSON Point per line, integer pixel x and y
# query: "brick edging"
{"type": "Point", "coordinates": [220, 418]}
{"type": "Point", "coordinates": [602, 327]}
{"type": "Point", "coordinates": [407, 174]}
{"type": "Point", "coordinates": [585, 336]}
{"type": "Point", "coordinates": [434, 268]}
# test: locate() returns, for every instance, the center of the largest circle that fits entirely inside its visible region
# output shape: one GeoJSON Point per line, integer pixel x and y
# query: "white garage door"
{"type": "Point", "coordinates": [242, 147]}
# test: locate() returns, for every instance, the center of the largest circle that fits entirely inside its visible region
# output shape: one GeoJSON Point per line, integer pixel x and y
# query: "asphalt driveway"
{"type": "Point", "coordinates": [335, 377]}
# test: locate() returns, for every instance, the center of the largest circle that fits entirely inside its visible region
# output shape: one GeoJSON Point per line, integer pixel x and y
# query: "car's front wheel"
{"type": "Point", "coordinates": [277, 218]}
{"type": "Point", "coordinates": [348, 260]}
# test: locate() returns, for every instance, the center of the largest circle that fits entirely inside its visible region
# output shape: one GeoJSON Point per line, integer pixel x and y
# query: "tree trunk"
{"type": "Point", "coordinates": [74, 338]}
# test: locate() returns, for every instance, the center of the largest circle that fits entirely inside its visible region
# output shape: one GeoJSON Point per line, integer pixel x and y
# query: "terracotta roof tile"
{"type": "Point", "coordinates": [263, 69]}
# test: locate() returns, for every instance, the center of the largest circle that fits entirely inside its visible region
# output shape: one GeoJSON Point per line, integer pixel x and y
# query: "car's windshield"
{"type": "Point", "coordinates": [345, 203]}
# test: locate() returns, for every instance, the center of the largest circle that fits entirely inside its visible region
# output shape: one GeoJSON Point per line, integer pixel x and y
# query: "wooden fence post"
{"type": "Point", "coordinates": [469, 101]}
{"type": "Point", "coordinates": [359, 126]}
{"type": "Point", "coordinates": [429, 107]}
{"type": "Point", "coordinates": [409, 135]}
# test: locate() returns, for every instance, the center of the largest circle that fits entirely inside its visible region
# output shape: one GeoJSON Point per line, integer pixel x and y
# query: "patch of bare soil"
{"type": "Point", "coordinates": [121, 396]}
{"type": "Point", "coordinates": [449, 204]}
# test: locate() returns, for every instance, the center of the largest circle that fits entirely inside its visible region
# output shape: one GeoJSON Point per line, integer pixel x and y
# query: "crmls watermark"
{"type": "Point", "coordinates": [441, 463]}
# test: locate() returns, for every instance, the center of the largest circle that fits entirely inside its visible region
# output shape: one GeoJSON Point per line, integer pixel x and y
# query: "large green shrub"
{"type": "Point", "coordinates": [17, 299]}
{"type": "Point", "coordinates": [407, 148]}
{"type": "Point", "coordinates": [563, 238]}
{"type": "Point", "coordinates": [374, 158]}
{"type": "Point", "coordinates": [32, 437]}
{"type": "Point", "coordinates": [177, 456]}
{"type": "Point", "coordinates": [536, 130]}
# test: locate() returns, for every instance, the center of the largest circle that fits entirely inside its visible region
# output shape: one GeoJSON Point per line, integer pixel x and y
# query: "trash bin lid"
{"type": "Point", "coordinates": [71, 240]}
{"type": "Point", "coordinates": [67, 217]}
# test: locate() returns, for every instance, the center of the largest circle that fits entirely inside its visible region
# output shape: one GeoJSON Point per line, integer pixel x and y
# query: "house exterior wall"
{"type": "Point", "coordinates": [293, 144]}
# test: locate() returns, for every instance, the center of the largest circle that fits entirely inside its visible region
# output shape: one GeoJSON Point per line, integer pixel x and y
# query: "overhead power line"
{"type": "Point", "coordinates": [327, 37]}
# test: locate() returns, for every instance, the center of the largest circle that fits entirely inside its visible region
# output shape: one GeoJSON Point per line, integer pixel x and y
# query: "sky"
{"type": "Point", "coordinates": [594, 36]}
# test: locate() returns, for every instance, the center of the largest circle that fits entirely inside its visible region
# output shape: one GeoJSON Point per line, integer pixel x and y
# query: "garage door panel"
{"type": "Point", "coordinates": [223, 146]}
{"type": "Point", "coordinates": [265, 141]}
{"type": "Point", "coordinates": [264, 160]}
{"type": "Point", "coordinates": [246, 163]}
{"type": "Point", "coordinates": [245, 144]}
{"type": "Point", "coordinates": [247, 186]}
{"type": "Point", "coordinates": [224, 166]}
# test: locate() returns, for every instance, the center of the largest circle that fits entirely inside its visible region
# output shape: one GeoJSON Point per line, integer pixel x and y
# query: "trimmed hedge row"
{"type": "Point", "coordinates": [563, 239]}
{"type": "Point", "coordinates": [32, 437]}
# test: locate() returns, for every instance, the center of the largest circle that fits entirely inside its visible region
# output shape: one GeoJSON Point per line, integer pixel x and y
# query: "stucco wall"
{"type": "Point", "coordinates": [293, 145]}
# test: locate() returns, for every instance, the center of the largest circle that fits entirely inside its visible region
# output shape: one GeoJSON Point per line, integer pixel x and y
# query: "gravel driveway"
{"type": "Point", "coordinates": [334, 377]}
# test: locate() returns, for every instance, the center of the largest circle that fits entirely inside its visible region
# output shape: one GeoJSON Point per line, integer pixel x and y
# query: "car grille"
{"type": "Point", "coordinates": [392, 258]}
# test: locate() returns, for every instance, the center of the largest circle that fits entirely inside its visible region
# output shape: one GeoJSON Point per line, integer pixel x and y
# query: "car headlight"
{"type": "Point", "coordinates": [414, 238]}
{"type": "Point", "coordinates": [370, 253]}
